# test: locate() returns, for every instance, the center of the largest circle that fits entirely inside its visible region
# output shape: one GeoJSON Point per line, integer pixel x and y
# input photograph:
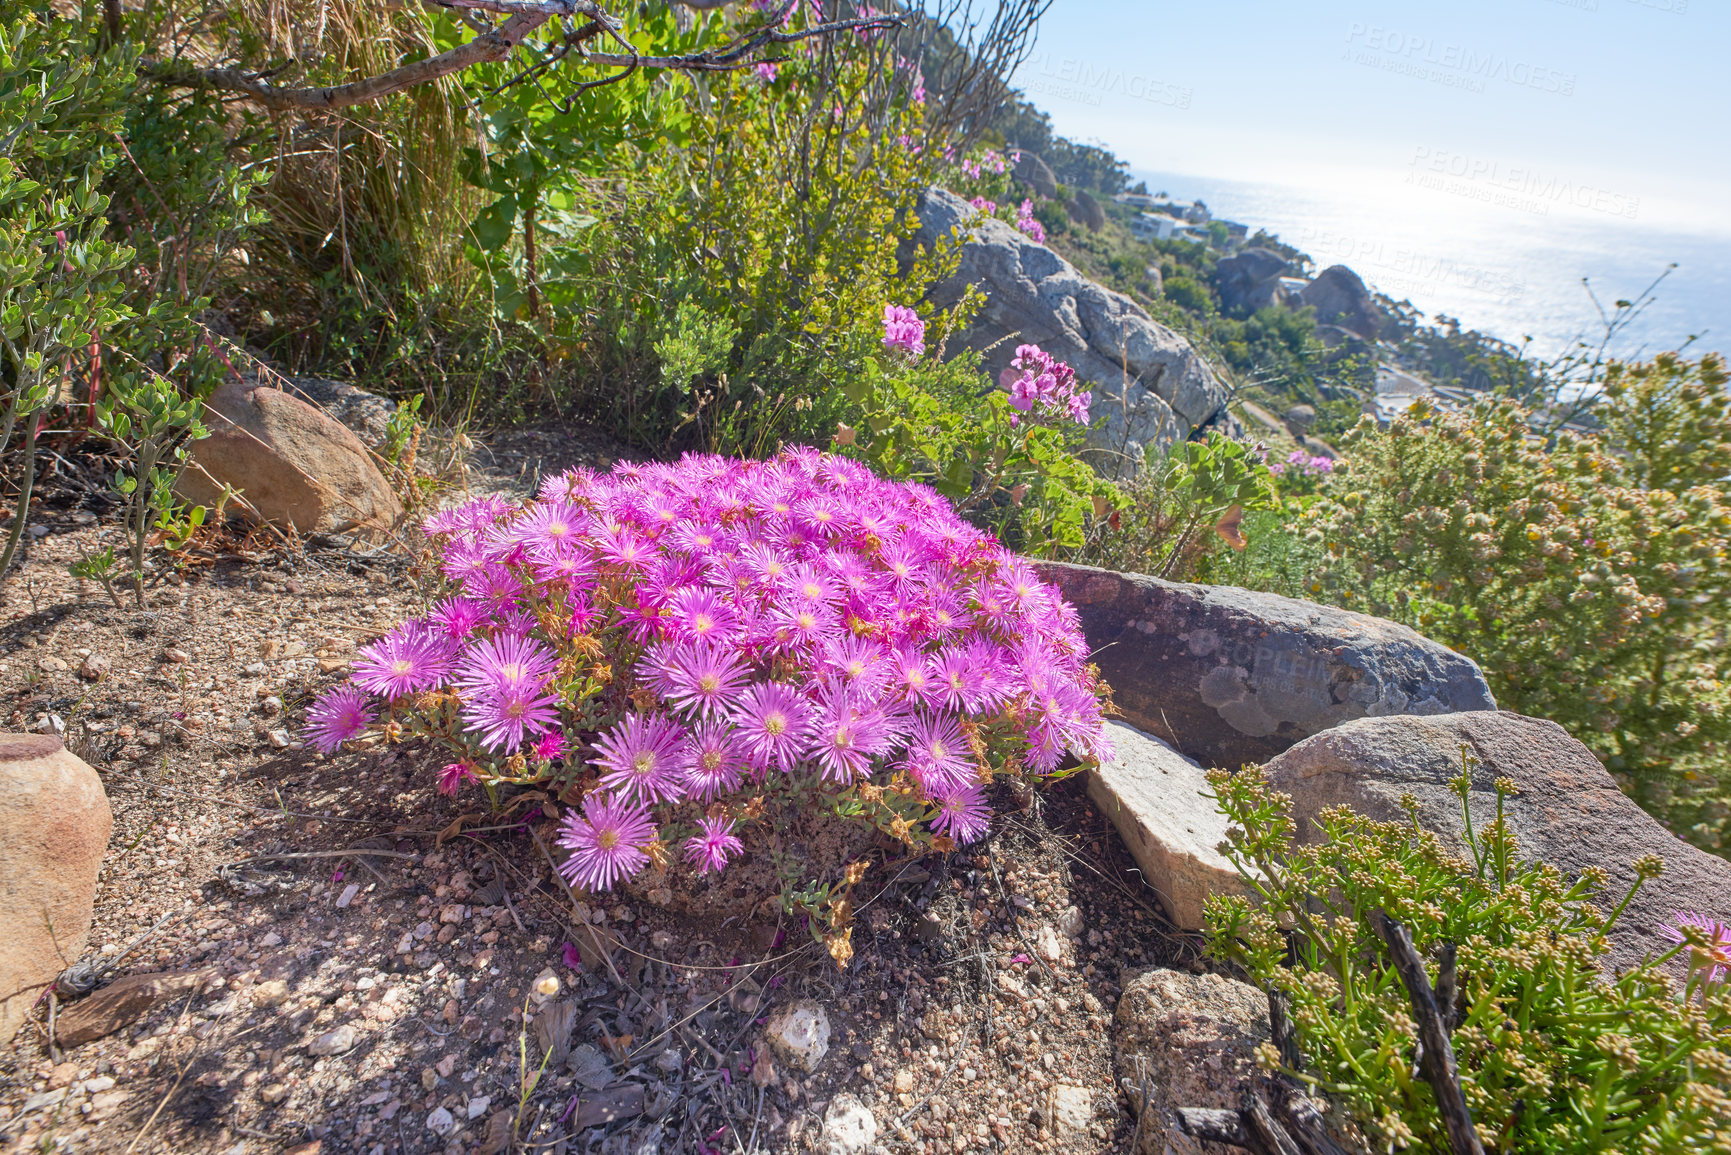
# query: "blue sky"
{"type": "Point", "coordinates": [1621, 107]}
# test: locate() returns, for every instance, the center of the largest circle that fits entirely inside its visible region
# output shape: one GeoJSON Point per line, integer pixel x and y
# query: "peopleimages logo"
{"type": "Point", "coordinates": [1397, 270]}
{"type": "Point", "coordinates": [1454, 65]}
{"type": "Point", "coordinates": [1069, 78]}
{"type": "Point", "coordinates": [1516, 187]}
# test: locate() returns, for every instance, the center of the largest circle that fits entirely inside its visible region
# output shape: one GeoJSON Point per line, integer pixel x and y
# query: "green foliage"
{"type": "Point", "coordinates": [695, 345]}
{"type": "Point", "coordinates": [1588, 577]}
{"type": "Point", "coordinates": [61, 109]}
{"type": "Point", "coordinates": [147, 417]}
{"type": "Point", "coordinates": [944, 424]}
{"type": "Point", "coordinates": [1555, 1055]}
{"type": "Point", "coordinates": [1177, 511]}
{"type": "Point", "coordinates": [783, 218]}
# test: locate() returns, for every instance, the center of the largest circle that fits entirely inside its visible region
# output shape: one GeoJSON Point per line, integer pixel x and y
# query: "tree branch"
{"type": "Point", "coordinates": [488, 48]}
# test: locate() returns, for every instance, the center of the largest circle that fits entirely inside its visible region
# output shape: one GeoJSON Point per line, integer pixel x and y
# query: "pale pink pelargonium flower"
{"type": "Point", "coordinates": [904, 330]}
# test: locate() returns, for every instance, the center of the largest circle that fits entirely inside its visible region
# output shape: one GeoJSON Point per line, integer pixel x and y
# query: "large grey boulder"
{"type": "Point", "coordinates": [1034, 172]}
{"type": "Point", "coordinates": [1568, 812]}
{"type": "Point", "coordinates": [1185, 1040]}
{"type": "Point", "coordinates": [1339, 297]}
{"type": "Point", "coordinates": [1086, 211]}
{"type": "Point", "coordinates": [1157, 798]}
{"type": "Point", "coordinates": [1232, 677]}
{"type": "Point", "coordinates": [1151, 388]}
{"type": "Point", "coordinates": [1249, 281]}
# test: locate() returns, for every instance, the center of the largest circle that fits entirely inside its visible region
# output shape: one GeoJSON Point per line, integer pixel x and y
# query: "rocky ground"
{"type": "Point", "coordinates": [359, 977]}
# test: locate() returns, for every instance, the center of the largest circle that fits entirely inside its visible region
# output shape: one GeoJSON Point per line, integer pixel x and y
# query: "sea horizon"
{"type": "Point", "coordinates": [1500, 254]}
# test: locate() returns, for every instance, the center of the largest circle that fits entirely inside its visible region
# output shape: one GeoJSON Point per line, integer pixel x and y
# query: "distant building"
{"type": "Point", "coordinates": [1197, 214]}
{"type": "Point", "coordinates": [1154, 227]}
{"type": "Point", "coordinates": [1137, 200]}
{"type": "Point", "coordinates": [1235, 232]}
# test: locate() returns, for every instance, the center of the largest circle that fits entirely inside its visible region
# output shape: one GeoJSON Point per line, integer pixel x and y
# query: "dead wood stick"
{"type": "Point", "coordinates": [1438, 1060]}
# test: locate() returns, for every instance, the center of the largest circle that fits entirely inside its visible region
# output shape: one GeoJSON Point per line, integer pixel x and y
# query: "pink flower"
{"type": "Point", "coordinates": [454, 775]}
{"type": "Point", "coordinates": [407, 660]}
{"type": "Point", "coordinates": [773, 724]}
{"type": "Point", "coordinates": [710, 761]}
{"type": "Point", "coordinates": [606, 843]}
{"type": "Point", "coordinates": [639, 757]}
{"type": "Point", "coordinates": [337, 717]}
{"type": "Point", "coordinates": [716, 843]}
{"type": "Point", "coordinates": [984, 205]}
{"type": "Point", "coordinates": [766, 71]}
{"type": "Point", "coordinates": [571, 957]}
{"type": "Point", "coordinates": [1029, 223]}
{"type": "Point", "coordinates": [548, 746]}
{"type": "Point", "coordinates": [903, 329]}
{"type": "Point", "coordinates": [963, 813]}
{"type": "Point", "coordinates": [1714, 959]}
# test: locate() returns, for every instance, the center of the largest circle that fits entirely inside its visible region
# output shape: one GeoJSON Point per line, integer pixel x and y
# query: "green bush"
{"type": "Point", "coordinates": [1554, 1054]}
{"type": "Point", "coordinates": [1588, 577]}
{"type": "Point", "coordinates": [1180, 511]}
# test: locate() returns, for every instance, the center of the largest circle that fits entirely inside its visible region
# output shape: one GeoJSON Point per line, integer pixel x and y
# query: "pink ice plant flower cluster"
{"type": "Point", "coordinates": [1029, 223]}
{"type": "Point", "coordinates": [797, 616]}
{"type": "Point", "coordinates": [904, 330]}
{"type": "Point", "coordinates": [1043, 386]}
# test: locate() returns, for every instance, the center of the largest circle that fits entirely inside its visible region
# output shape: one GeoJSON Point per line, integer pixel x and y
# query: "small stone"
{"type": "Point", "coordinates": [121, 1004]}
{"type": "Point", "coordinates": [270, 993]}
{"type": "Point", "coordinates": [94, 667]}
{"type": "Point", "coordinates": [176, 655]}
{"type": "Point", "coordinates": [279, 739]}
{"type": "Point", "coordinates": [446, 1065]}
{"type": "Point", "coordinates": [440, 1122]}
{"type": "Point", "coordinates": [253, 669]}
{"type": "Point", "coordinates": [63, 1075]}
{"type": "Point", "coordinates": [429, 1079]}
{"type": "Point", "coordinates": [478, 1106]}
{"type": "Point", "coordinates": [348, 895]}
{"type": "Point", "coordinates": [546, 987]}
{"type": "Point", "coordinates": [334, 1041]}
{"type": "Point", "coordinates": [271, 938]}
{"type": "Point", "coordinates": [1069, 1110]}
{"type": "Point", "coordinates": [763, 1070]}
{"type": "Point", "coordinates": [1047, 944]}
{"type": "Point", "coordinates": [273, 1093]}
{"type": "Point", "coordinates": [849, 1127]}
{"type": "Point", "coordinates": [52, 665]}
{"type": "Point", "coordinates": [799, 1033]}
{"type": "Point", "coordinates": [451, 1013]}
{"type": "Point", "coordinates": [904, 1083]}
{"type": "Point", "coordinates": [98, 1085]}
{"type": "Point", "coordinates": [1070, 922]}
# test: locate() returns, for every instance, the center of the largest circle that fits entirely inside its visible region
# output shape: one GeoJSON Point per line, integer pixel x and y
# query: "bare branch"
{"type": "Point", "coordinates": [487, 48]}
{"type": "Point", "coordinates": [1439, 1057]}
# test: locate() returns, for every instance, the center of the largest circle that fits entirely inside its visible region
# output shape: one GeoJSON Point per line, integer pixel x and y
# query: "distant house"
{"type": "Point", "coordinates": [1235, 232]}
{"type": "Point", "coordinates": [1154, 227]}
{"type": "Point", "coordinates": [1137, 200]}
{"type": "Point", "coordinates": [1197, 214]}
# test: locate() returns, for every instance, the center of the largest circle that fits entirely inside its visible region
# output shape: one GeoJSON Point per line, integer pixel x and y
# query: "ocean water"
{"type": "Point", "coordinates": [1504, 258]}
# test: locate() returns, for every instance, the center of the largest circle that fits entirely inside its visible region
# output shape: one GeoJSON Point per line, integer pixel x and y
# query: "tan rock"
{"type": "Point", "coordinates": [1155, 797]}
{"type": "Point", "coordinates": [122, 1003]}
{"type": "Point", "coordinates": [295, 465]}
{"type": "Point", "coordinates": [1189, 1041]}
{"type": "Point", "coordinates": [54, 827]}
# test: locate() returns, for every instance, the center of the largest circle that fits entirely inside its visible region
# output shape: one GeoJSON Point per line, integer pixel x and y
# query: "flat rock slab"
{"type": "Point", "coordinates": [1231, 677]}
{"type": "Point", "coordinates": [1568, 812]}
{"type": "Point", "coordinates": [121, 1004]}
{"type": "Point", "coordinates": [1155, 797]}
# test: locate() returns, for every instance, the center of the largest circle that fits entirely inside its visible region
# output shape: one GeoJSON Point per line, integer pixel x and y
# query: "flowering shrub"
{"type": "Point", "coordinates": [1029, 223]}
{"type": "Point", "coordinates": [1588, 579]}
{"type": "Point", "coordinates": [1043, 386]}
{"type": "Point", "coordinates": [1554, 1054]}
{"type": "Point", "coordinates": [1006, 456]}
{"type": "Point", "coordinates": [682, 647]}
{"type": "Point", "coordinates": [1302, 473]}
